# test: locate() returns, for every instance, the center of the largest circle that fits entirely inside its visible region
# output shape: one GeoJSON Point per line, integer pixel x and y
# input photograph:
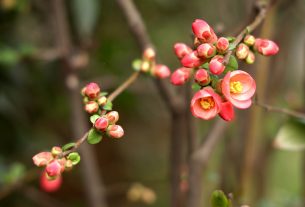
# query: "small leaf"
{"type": "Point", "coordinates": [108, 106]}
{"type": "Point", "coordinates": [94, 136]}
{"type": "Point", "coordinates": [231, 39]}
{"type": "Point", "coordinates": [196, 87]}
{"type": "Point", "coordinates": [68, 146]}
{"type": "Point", "coordinates": [136, 64]}
{"type": "Point", "coordinates": [94, 117]}
{"type": "Point", "coordinates": [232, 46]}
{"type": "Point", "coordinates": [103, 94]}
{"type": "Point", "coordinates": [205, 65]}
{"type": "Point", "coordinates": [219, 199]}
{"type": "Point", "coordinates": [232, 64]}
{"type": "Point", "coordinates": [291, 136]}
{"type": "Point", "coordinates": [74, 157]}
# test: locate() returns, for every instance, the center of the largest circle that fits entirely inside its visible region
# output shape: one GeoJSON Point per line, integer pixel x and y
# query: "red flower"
{"type": "Point", "coordinates": [192, 60]}
{"type": "Point", "coordinates": [222, 45]}
{"type": "Point", "coordinates": [92, 90]}
{"type": "Point", "coordinates": [50, 185]}
{"type": "Point", "coordinates": [238, 87]}
{"type": "Point", "coordinates": [203, 31]}
{"type": "Point", "coordinates": [181, 50]}
{"type": "Point", "coordinates": [206, 104]}
{"type": "Point", "coordinates": [161, 71]}
{"type": "Point", "coordinates": [266, 47]}
{"type": "Point", "coordinates": [180, 76]}
{"type": "Point", "coordinates": [216, 65]}
{"type": "Point", "coordinates": [227, 111]}
{"type": "Point", "coordinates": [202, 77]}
{"type": "Point", "coordinates": [54, 169]}
{"type": "Point", "coordinates": [42, 158]}
{"type": "Point", "coordinates": [101, 123]}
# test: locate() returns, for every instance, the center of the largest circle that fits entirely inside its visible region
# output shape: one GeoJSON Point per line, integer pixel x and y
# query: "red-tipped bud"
{"type": "Point", "coordinates": [161, 71]}
{"type": "Point", "coordinates": [149, 54]}
{"type": "Point", "coordinates": [206, 50]}
{"type": "Point", "coordinates": [180, 76]}
{"type": "Point", "coordinates": [203, 31]}
{"type": "Point", "coordinates": [91, 107]}
{"type": "Point", "coordinates": [192, 60]}
{"type": "Point", "coordinates": [249, 40]}
{"type": "Point", "coordinates": [102, 100]}
{"type": "Point", "coordinates": [242, 51]}
{"type": "Point", "coordinates": [54, 169]}
{"type": "Point", "coordinates": [50, 185]}
{"type": "Point", "coordinates": [216, 65]}
{"type": "Point", "coordinates": [227, 111]}
{"type": "Point", "coordinates": [202, 77]}
{"type": "Point", "coordinates": [181, 50]}
{"type": "Point", "coordinates": [92, 90]}
{"type": "Point", "coordinates": [115, 131]}
{"type": "Point", "coordinates": [56, 150]}
{"type": "Point", "coordinates": [101, 123]}
{"type": "Point", "coordinates": [42, 158]}
{"type": "Point", "coordinates": [266, 47]}
{"type": "Point", "coordinates": [222, 45]}
{"type": "Point", "coordinates": [112, 116]}
{"type": "Point", "coordinates": [250, 58]}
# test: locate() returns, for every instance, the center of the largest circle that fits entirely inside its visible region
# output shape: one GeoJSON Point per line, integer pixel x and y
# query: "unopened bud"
{"type": "Point", "coordinates": [266, 47]}
{"type": "Point", "coordinates": [216, 65]}
{"type": "Point", "coordinates": [161, 71]}
{"type": "Point", "coordinates": [91, 90]}
{"type": "Point", "coordinates": [249, 40]}
{"type": "Point", "coordinates": [202, 77]}
{"type": "Point", "coordinates": [101, 123]}
{"type": "Point", "coordinates": [206, 50]}
{"type": "Point", "coordinates": [91, 107]}
{"type": "Point", "coordinates": [222, 45]}
{"type": "Point", "coordinates": [203, 31]}
{"type": "Point", "coordinates": [42, 158]}
{"type": "Point", "coordinates": [149, 54]}
{"type": "Point", "coordinates": [145, 66]}
{"type": "Point", "coordinates": [56, 151]}
{"type": "Point", "coordinates": [242, 51]}
{"type": "Point", "coordinates": [112, 116]}
{"type": "Point", "coordinates": [53, 169]}
{"type": "Point", "coordinates": [181, 50]}
{"type": "Point", "coordinates": [192, 60]}
{"type": "Point", "coordinates": [102, 100]}
{"type": "Point", "coordinates": [48, 184]}
{"type": "Point", "coordinates": [115, 131]}
{"type": "Point", "coordinates": [180, 76]}
{"type": "Point", "coordinates": [250, 58]}
{"type": "Point", "coordinates": [69, 165]}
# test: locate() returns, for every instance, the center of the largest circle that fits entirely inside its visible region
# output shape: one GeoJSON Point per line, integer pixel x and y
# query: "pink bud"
{"type": "Point", "coordinates": [266, 47]}
{"type": "Point", "coordinates": [192, 60]}
{"type": "Point", "coordinates": [249, 40]}
{"type": "Point", "coordinates": [203, 31]}
{"type": "Point", "coordinates": [222, 45]}
{"type": "Point", "coordinates": [112, 116]}
{"type": "Point", "coordinates": [202, 77]}
{"type": "Point", "coordinates": [50, 185]}
{"type": "Point", "coordinates": [206, 50]}
{"type": "Point", "coordinates": [227, 111]}
{"type": "Point", "coordinates": [250, 58]}
{"type": "Point", "coordinates": [115, 131]}
{"type": "Point", "coordinates": [242, 51]}
{"type": "Point", "coordinates": [149, 54]}
{"type": "Point", "coordinates": [180, 76]}
{"type": "Point", "coordinates": [54, 169]}
{"type": "Point", "coordinates": [42, 158]}
{"type": "Point", "coordinates": [181, 50]}
{"type": "Point", "coordinates": [92, 90]}
{"type": "Point", "coordinates": [216, 65]}
{"type": "Point", "coordinates": [161, 71]}
{"type": "Point", "coordinates": [91, 107]}
{"type": "Point", "coordinates": [101, 123]}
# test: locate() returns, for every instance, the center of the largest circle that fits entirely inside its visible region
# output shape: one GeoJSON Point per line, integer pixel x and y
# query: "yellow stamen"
{"type": "Point", "coordinates": [207, 103]}
{"type": "Point", "coordinates": [236, 87]}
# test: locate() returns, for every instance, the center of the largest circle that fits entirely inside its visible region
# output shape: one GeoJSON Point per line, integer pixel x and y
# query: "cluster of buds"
{"type": "Point", "coordinates": [149, 65]}
{"type": "Point", "coordinates": [219, 85]}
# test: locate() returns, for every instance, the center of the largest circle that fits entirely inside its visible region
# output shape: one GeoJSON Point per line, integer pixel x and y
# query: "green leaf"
{"type": "Point", "coordinates": [291, 136]}
{"type": "Point", "coordinates": [219, 199]}
{"type": "Point", "coordinates": [231, 39]}
{"type": "Point", "coordinates": [136, 64]}
{"type": "Point", "coordinates": [9, 56]}
{"type": "Point", "coordinates": [232, 64]}
{"type": "Point", "coordinates": [103, 94]}
{"type": "Point", "coordinates": [94, 117]}
{"type": "Point", "coordinates": [232, 46]}
{"type": "Point", "coordinates": [205, 65]}
{"type": "Point", "coordinates": [74, 157]}
{"type": "Point", "coordinates": [68, 146]}
{"type": "Point", "coordinates": [196, 87]}
{"type": "Point", "coordinates": [108, 106]}
{"type": "Point", "coordinates": [94, 136]}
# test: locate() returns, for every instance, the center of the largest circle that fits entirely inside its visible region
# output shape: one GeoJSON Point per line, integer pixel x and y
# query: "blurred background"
{"type": "Point", "coordinates": [41, 72]}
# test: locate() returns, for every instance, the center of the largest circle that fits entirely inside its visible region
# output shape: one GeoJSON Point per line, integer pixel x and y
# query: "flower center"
{"type": "Point", "coordinates": [207, 103]}
{"type": "Point", "coordinates": [236, 87]}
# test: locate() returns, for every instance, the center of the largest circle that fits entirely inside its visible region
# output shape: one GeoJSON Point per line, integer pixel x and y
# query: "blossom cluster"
{"type": "Point", "coordinates": [220, 86]}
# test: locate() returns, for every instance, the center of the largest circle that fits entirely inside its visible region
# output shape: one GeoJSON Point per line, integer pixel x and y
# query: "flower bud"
{"type": "Point", "coordinates": [92, 90]}
{"type": "Point", "coordinates": [266, 47]}
{"type": "Point", "coordinates": [222, 45]}
{"type": "Point", "coordinates": [181, 50]}
{"type": "Point", "coordinates": [145, 66]}
{"type": "Point", "coordinates": [101, 123]}
{"type": "Point", "coordinates": [249, 40]}
{"type": "Point", "coordinates": [50, 185]}
{"type": "Point", "coordinates": [62, 162]}
{"type": "Point", "coordinates": [68, 165]}
{"type": "Point", "coordinates": [161, 71]}
{"type": "Point", "coordinates": [56, 150]}
{"type": "Point", "coordinates": [115, 131]}
{"type": "Point", "coordinates": [250, 58]}
{"type": "Point", "coordinates": [91, 107]}
{"type": "Point", "coordinates": [206, 50]}
{"type": "Point", "coordinates": [54, 169]}
{"type": "Point", "coordinates": [180, 76]}
{"type": "Point", "coordinates": [42, 158]}
{"type": "Point", "coordinates": [202, 77]}
{"type": "Point", "coordinates": [112, 116]}
{"type": "Point", "coordinates": [216, 65]}
{"type": "Point", "coordinates": [102, 100]}
{"type": "Point", "coordinates": [149, 54]}
{"type": "Point", "coordinates": [227, 111]}
{"type": "Point", "coordinates": [203, 31]}
{"type": "Point", "coordinates": [242, 51]}
{"type": "Point", "coordinates": [192, 60]}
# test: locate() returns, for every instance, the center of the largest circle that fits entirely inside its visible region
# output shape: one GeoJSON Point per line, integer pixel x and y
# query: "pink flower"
{"type": "Point", "coordinates": [227, 111]}
{"type": "Point", "coordinates": [203, 31]}
{"type": "Point", "coordinates": [180, 76]}
{"type": "Point", "coordinates": [266, 47]}
{"type": "Point", "coordinates": [50, 185]}
{"type": "Point", "coordinates": [206, 104]}
{"type": "Point", "coordinates": [54, 169]}
{"type": "Point", "coordinates": [238, 87]}
{"type": "Point", "coordinates": [192, 60]}
{"type": "Point", "coordinates": [115, 131]}
{"type": "Point", "coordinates": [181, 50]}
{"type": "Point", "coordinates": [112, 116]}
{"type": "Point", "coordinates": [92, 90]}
{"type": "Point", "coordinates": [206, 50]}
{"type": "Point", "coordinates": [242, 51]}
{"type": "Point", "coordinates": [216, 65]}
{"type": "Point", "coordinates": [222, 44]}
{"type": "Point", "coordinates": [202, 77]}
{"type": "Point", "coordinates": [161, 71]}
{"type": "Point", "coordinates": [42, 158]}
{"type": "Point", "coordinates": [91, 107]}
{"type": "Point", "coordinates": [101, 123]}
